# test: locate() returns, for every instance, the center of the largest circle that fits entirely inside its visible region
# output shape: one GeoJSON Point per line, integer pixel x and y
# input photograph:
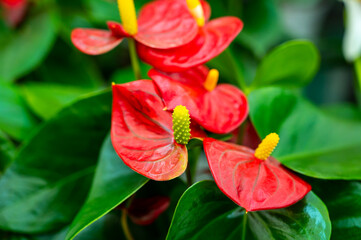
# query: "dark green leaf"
{"type": "Point", "coordinates": [49, 180]}
{"type": "Point", "coordinates": [214, 216]}
{"type": "Point", "coordinates": [262, 25]}
{"type": "Point", "coordinates": [73, 68]}
{"type": "Point", "coordinates": [293, 63]}
{"type": "Point", "coordinates": [46, 99]}
{"type": "Point", "coordinates": [25, 49]}
{"type": "Point", "coordinates": [114, 182]}
{"type": "Point", "coordinates": [343, 202]}
{"type": "Point", "coordinates": [15, 118]}
{"type": "Point", "coordinates": [312, 142]}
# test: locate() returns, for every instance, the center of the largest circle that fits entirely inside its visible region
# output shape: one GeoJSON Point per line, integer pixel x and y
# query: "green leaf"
{"type": "Point", "coordinates": [345, 111]}
{"type": "Point", "coordinates": [15, 118]}
{"type": "Point", "coordinates": [214, 216]}
{"type": "Point", "coordinates": [114, 182]}
{"type": "Point", "coordinates": [26, 48]}
{"type": "Point", "coordinates": [7, 151]}
{"type": "Point", "coordinates": [46, 99]}
{"type": "Point", "coordinates": [312, 142]}
{"type": "Point", "coordinates": [343, 202]}
{"type": "Point", "coordinates": [49, 180]}
{"type": "Point", "coordinates": [293, 63]}
{"type": "Point", "coordinates": [73, 68]}
{"type": "Point", "coordinates": [262, 25]}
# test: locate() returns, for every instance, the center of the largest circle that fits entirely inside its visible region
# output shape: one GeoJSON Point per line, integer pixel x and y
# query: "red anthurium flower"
{"type": "Point", "coordinates": [13, 11]}
{"type": "Point", "coordinates": [146, 211]}
{"type": "Point", "coordinates": [142, 131]}
{"type": "Point", "coordinates": [162, 24]}
{"type": "Point", "coordinates": [252, 179]}
{"type": "Point", "coordinates": [212, 39]}
{"type": "Point", "coordinates": [218, 108]}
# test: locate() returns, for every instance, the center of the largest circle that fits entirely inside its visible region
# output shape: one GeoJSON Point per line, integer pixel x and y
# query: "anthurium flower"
{"type": "Point", "coordinates": [218, 108]}
{"type": "Point", "coordinates": [212, 39]}
{"type": "Point", "coordinates": [253, 179]}
{"type": "Point", "coordinates": [149, 139]}
{"type": "Point", "coordinates": [13, 11]}
{"type": "Point", "coordinates": [161, 24]}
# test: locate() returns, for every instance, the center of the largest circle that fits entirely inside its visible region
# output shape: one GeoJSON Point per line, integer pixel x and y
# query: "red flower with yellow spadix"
{"type": "Point", "coordinates": [13, 11]}
{"type": "Point", "coordinates": [161, 24]}
{"type": "Point", "coordinates": [253, 179]}
{"type": "Point", "coordinates": [149, 139]}
{"type": "Point", "coordinates": [218, 108]}
{"type": "Point", "coordinates": [213, 38]}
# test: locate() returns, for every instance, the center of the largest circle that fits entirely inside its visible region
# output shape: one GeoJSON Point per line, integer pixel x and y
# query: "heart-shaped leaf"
{"type": "Point", "coordinates": [49, 180]}
{"type": "Point", "coordinates": [215, 217]}
{"type": "Point", "coordinates": [94, 41]}
{"type": "Point", "coordinates": [211, 40]}
{"type": "Point", "coordinates": [343, 202]}
{"type": "Point", "coordinates": [26, 48]}
{"type": "Point", "coordinates": [15, 120]}
{"type": "Point", "coordinates": [293, 63]}
{"type": "Point", "coordinates": [250, 182]}
{"type": "Point", "coordinates": [186, 88]}
{"type": "Point", "coordinates": [312, 142]}
{"type": "Point", "coordinates": [113, 183]}
{"type": "Point", "coordinates": [142, 132]}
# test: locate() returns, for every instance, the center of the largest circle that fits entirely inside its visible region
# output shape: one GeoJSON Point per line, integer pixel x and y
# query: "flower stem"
{"type": "Point", "coordinates": [244, 229]}
{"type": "Point", "coordinates": [134, 59]}
{"type": "Point", "coordinates": [125, 226]}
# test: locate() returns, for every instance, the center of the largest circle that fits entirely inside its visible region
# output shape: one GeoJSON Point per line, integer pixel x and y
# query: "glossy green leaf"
{"type": "Point", "coordinates": [343, 202]}
{"type": "Point", "coordinates": [49, 180]}
{"type": "Point", "coordinates": [312, 142]}
{"type": "Point", "coordinates": [215, 217]}
{"type": "Point", "coordinates": [46, 99]}
{"type": "Point", "coordinates": [26, 48]}
{"type": "Point", "coordinates": [114, 182]}
{"type": "Point", "coordinates": [345, 111]}
{"type": "Point", "coordinates": [15, 120]}
{"type": "Point", "coordinates": [293, 63]}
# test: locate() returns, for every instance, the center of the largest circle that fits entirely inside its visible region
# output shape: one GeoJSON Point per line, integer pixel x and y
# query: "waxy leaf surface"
{"type": "Point", "coordinates": [342, 199]}
{"type": "Point", "coordinates": [215, 217]}
{"type": "Point", "coordinates": [142, 132]}
{"type": "Point", "coordinates": [94, 41]}
{"type": "Point", "coordinates": [220, 111]}
{"type": "Point", "coordinates": [49, 179]}
{"type": "Point", "coordinates": [312, 142]}
{"type": "Point", "coordinates": [212, 39]}
{"type": "Point", "coordinates": [250, 182]}
{"type": "Point", "coordinates": [113, 183]}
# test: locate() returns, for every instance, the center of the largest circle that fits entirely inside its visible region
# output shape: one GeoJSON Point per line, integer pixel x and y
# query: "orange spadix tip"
{"type": "Point", "coordinates": [195, 8]}
{"type": "Point", "coordinates": [128, 16]}
{"type": "Point", "coordinates": [212, 80]}
{"type": "Point", "coordinates": [266, 147]}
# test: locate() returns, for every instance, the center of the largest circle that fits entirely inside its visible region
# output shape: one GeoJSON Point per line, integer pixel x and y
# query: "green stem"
{"type": "Point", "coordinates": [134, 59]}
{"type": "Point", "coordinates": [125, 226]}
{"type": "Point", "coordinates": [189, 177]}
{"type": "Point", "coordinates": [244, 229]}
